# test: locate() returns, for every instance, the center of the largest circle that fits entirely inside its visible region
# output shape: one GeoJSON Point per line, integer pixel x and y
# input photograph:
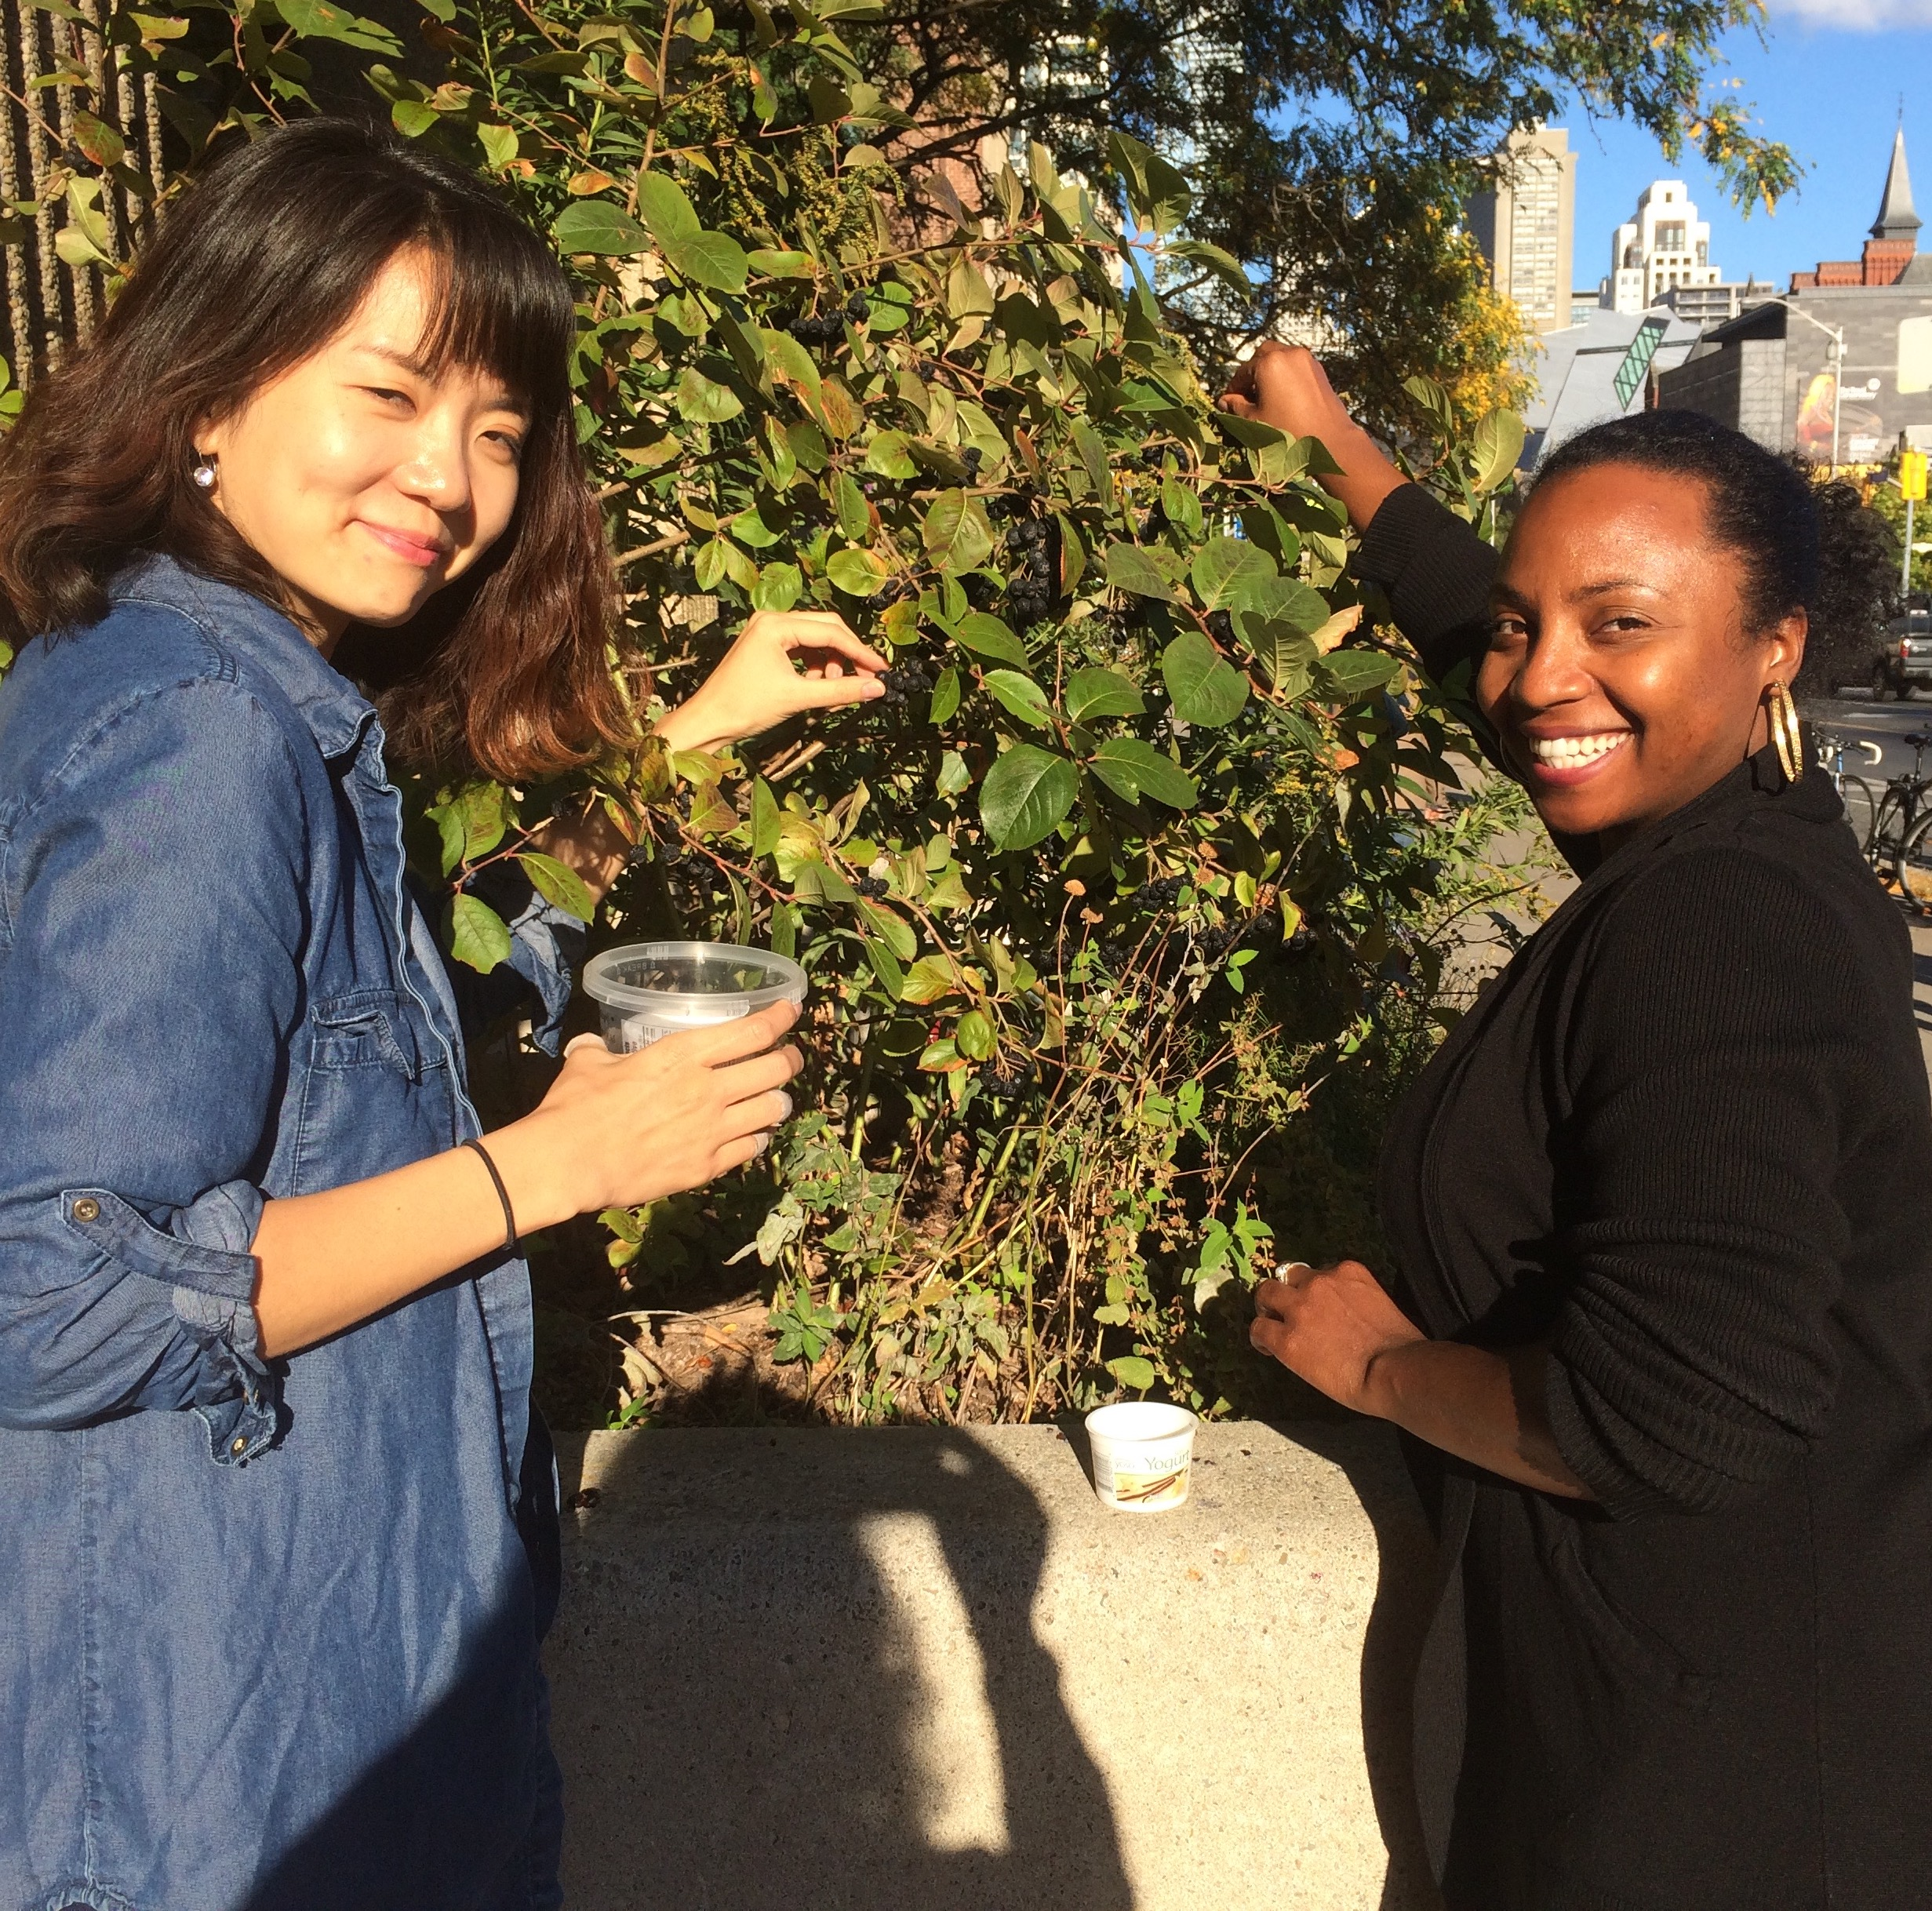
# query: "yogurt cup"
{"type": "Point", "coordinates": [646, 991]}
{"type": "Point", "coordinates": [1142, 1453]}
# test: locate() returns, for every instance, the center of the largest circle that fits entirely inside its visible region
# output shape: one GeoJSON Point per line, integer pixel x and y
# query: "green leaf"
{"type": "Point", "coordinates": [973, 1036]}
{"type": "Point", "coordinates": [848, 504]}
{"type": "Point", "coordinates": [1021, 696]}
{"type": "Point", "coordinates": [887, 455]}
{"type": "Point", "coordinates": [713, 259]}
{"type": "Point", "coordinates": [1226, 568]}
{"type": "Point", "coordinates": [1204, 687]}
{"type": "Point", "coordinates": [778, 587]}
{"type": "Point", "coordinates": [1222, 264]}
{"type": "Point", "coordinates": [985, 635]}
{"type": "Point", "coordinates": [766, 816]}
{"type": "Point", "coordinates": [557, 884]}
{"type": "Point", "coordinates": [776, 264]}
{"type": "Point", "coordinates": [1434, 400]}
{"type": "Point", "coordinates": [957, 535]}
{"type": "Point", "coordinates": [945, 698]}
{"type": "Point", "coordinates": [315, 19]}
{"type": "Point", "coordinates": [97, 140]}
{"type": "Point", "coordinates": [1494, 447]}
{"type": "Point", "coordinates": [1287, 600]}
{"type": "Point", "coordinates": [1026, 796]}
{"type": "Point", "coordinates": [704, 400]}
{"type": "Point", "coordinates": [500, 146]}
{"type": "Point", "coordinates": [858, 573]}
{"type": "Point", "coordinates": [1132, 1372]}
{"type": "Point", "coordinates": [1133, 769]}
{"type": "Point", "coordinates": [1093, 449]}
{"type": "Point", "coordinates": [1101, 694]}
{"type": "Point", "coordinates": [479, 936]}
{"type": "Point", "coordinates": [953, 778]}
{"type": "Point", "coordinates": [596, 226]}
{"type": "Point", "coordinates": [664, 207]}
{"type": "Point", "coordinates": [1357, 674]}
{"type": "Point", "coordinates": [1129, 568]}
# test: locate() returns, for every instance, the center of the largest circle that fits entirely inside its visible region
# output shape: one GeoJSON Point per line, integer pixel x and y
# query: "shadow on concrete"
{"type": "Point", "coordinates": [746, 1726]}
{"type": "Point", "coordinates": [1405, 1598]}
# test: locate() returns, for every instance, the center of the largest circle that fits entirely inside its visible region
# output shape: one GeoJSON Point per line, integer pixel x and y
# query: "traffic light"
{"type": "Point", "coordinates": [1912, 475]}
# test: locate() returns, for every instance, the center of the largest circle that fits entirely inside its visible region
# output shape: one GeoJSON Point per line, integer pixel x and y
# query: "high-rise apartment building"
{"type": "Point", "coordinates": [1665, 246]}
{"type": "Point", "coordinates": [1525, 224]}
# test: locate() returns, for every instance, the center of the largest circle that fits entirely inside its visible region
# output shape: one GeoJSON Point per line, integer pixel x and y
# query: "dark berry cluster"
{"type": "Point", "coordinates": [972, 458]}
{"type": "Point", "coordinates": [1162, 893]}
{"type": "Point", "coordinates": [903, 681]}
{"type": "Point", "coordinates": [1220, 624]}
{"type": "Point", "coordinates": [827, 328]}
{"type": "Point", "coordinates": [1008, 1083]}
{"type": "Point", "coordinates": [1031, 593]}
{"type": "Point", "coordinates": [1214, 942]}
{"type": "Point", "coordinates": [877, 887]}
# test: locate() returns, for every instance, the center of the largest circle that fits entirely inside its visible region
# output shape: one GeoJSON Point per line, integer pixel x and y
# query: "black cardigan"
{"type": "Point", "coordinates": [1685, 1138]}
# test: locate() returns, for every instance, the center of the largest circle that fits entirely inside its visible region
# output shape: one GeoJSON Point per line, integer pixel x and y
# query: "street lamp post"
{"type": "Point", "coordinates": [1836, 334]}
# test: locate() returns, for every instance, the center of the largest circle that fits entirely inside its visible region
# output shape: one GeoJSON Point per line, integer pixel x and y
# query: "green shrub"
{"type": "Point", "coordinates": [1125, 914]}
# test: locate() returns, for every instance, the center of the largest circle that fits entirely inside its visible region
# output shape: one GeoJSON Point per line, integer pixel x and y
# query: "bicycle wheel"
{"type": "Point", "coordinates": [1861, 808]}
{"type": "Point", "coordinates": [1888, 831]}
{"type": "Point", "coordinates": [1913, 867]}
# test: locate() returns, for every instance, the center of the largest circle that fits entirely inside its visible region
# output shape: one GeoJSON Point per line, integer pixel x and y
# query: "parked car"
{"type": "Point", "coordinates": [1906, 661]}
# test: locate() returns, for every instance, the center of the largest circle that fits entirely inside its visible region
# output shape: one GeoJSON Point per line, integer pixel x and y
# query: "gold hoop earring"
{"type": "Point", "coordinates": [1787, 739]}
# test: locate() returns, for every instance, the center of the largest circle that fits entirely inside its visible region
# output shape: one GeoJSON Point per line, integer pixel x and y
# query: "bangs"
{"type": "Point", "coordinates": [498, 304]}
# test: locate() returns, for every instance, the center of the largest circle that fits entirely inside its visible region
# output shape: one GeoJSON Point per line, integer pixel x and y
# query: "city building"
{"type": "Point", "coordinates": [1706, 305]}
{"type": "Point", "coordinates": [1525, 224]}
{"type": "Point", "coordinates": [1893, 243]}
{"type": "Point", "coordinates": [1601, 365]}
{"type": "Point", "coordinates": [1666, 247]}
{"type": "Point", "coordinates": [1838, 370]}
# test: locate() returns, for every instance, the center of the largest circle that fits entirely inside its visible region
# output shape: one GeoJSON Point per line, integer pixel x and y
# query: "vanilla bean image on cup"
{"type": "Point", "coordinates": [646, 991]}
{"type": "Point", "coordinates": [1142, 1453]}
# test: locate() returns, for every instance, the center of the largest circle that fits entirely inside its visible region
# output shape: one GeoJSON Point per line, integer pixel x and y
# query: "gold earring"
{"type": "Point", "coordinates": [1787, 739]}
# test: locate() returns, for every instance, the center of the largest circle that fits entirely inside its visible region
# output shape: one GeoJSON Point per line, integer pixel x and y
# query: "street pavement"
{"type": "Point", "coordinates": [1887, 724]}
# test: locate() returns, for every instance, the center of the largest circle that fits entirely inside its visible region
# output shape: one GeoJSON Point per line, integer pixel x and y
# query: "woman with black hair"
{"type": "Point", "coordinates": [1659, 1330]}
{"type": "Point", "coordinates": [281, 1521]}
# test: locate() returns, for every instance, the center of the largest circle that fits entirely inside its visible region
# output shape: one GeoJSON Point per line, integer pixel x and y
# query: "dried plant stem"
{"type": "Point", "coordinates": [20, 323]}
{"type": "Point", "coordinates": [37, 158]}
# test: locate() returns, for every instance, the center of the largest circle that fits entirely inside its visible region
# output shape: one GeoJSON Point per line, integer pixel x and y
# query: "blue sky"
{"type": "Point", "coordinates": [1827, 83]}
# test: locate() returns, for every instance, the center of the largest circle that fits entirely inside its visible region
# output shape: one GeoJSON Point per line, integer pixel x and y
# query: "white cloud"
{"type": "Point", "coordinates": [1855, 15]}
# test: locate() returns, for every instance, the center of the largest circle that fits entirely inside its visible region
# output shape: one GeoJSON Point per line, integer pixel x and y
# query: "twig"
{"type": "Point", "coordinates": [669, 542]}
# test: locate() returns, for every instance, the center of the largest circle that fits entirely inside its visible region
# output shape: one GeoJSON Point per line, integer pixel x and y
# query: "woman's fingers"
{"type": "Point", "coordinates": [824, 629]}
{"type": "Point", "coordinates": [746, 1081]}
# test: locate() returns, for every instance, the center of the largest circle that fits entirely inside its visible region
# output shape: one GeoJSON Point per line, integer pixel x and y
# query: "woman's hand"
{"type": "Point", "coordinates": [620, 1130]}
{"type": "Point", "coordinates": [758, 683]}
{"type": "Point", "coordinates": [589, 844]}
{"type": "Point", "coordinates": [1337, 1329]}
{"type": "Point", "coordinates": [1285, 386]}
{"type": "Point", "coordinates": [1329, 1325]}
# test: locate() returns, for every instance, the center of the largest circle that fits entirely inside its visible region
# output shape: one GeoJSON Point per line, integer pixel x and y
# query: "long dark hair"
{"type": "Point", "coordinates": [1803, 546]}
{"type": "Point", "coordinates": [265, 259]}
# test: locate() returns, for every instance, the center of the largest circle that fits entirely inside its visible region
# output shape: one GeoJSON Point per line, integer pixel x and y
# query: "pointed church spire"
{"type": "Point", "coordinates": [1896, 219]}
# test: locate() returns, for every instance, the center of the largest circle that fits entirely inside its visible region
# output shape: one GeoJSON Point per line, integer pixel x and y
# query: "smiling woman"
{"type": "Point", "coordinates": [1659, 1320]}
{"type": "Point", "coordinates": [281, 1518]}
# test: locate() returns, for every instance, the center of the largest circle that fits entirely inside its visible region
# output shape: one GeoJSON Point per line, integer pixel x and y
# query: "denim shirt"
{"type": "Point", "coordinates": [266, 1624]}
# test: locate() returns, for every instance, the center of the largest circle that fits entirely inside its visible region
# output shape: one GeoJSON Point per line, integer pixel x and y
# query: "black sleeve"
{"type": "Point", "coordinates": [1711, 1081]}
{"type": "Point", "coordinates": [1436, 574]}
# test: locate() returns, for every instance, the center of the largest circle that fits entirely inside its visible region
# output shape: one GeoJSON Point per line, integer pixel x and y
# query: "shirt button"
{"type": "Point", "coordinates": [86, 1209]}
{"type": "Point", "coordinates": [238, 1445]}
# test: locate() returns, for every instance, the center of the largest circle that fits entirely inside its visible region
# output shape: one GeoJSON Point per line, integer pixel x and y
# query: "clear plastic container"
{"type": "Point", "coordinates": [649, 990]}
{"type": "Point", "coordinates": [1143, 1452]}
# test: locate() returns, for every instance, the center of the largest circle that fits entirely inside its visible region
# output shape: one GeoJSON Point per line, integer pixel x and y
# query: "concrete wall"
{"type": "Point", "coordinates": [924, 1670]}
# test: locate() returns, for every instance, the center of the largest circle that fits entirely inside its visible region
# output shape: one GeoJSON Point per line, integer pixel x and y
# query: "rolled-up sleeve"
{"type": "Point", "coordinates": [153, 897]}
{"type": "Point", "coordinates": [1713, 1076]}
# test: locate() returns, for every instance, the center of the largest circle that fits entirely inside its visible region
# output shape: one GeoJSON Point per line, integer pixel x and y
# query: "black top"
{"type": "Point", "coordinates": [1686, 1138]}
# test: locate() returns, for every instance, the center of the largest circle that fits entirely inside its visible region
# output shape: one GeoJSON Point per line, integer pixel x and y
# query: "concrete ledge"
{"type": "Point", "coordinates": [925, 1670]}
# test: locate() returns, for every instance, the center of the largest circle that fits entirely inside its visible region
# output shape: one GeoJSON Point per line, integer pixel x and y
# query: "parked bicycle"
{"type": "Point", "coordinates": [1901, 834]}
{"type": "Point", "coordinates": [1860, 799]}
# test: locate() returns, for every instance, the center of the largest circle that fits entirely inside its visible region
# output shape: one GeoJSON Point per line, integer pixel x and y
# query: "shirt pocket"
{"type": "Point", "coordinates": [374, 1095]}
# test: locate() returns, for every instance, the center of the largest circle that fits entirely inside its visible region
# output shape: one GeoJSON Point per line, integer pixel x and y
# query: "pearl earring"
{"type": "Point", "coordinates": [204, 472]}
